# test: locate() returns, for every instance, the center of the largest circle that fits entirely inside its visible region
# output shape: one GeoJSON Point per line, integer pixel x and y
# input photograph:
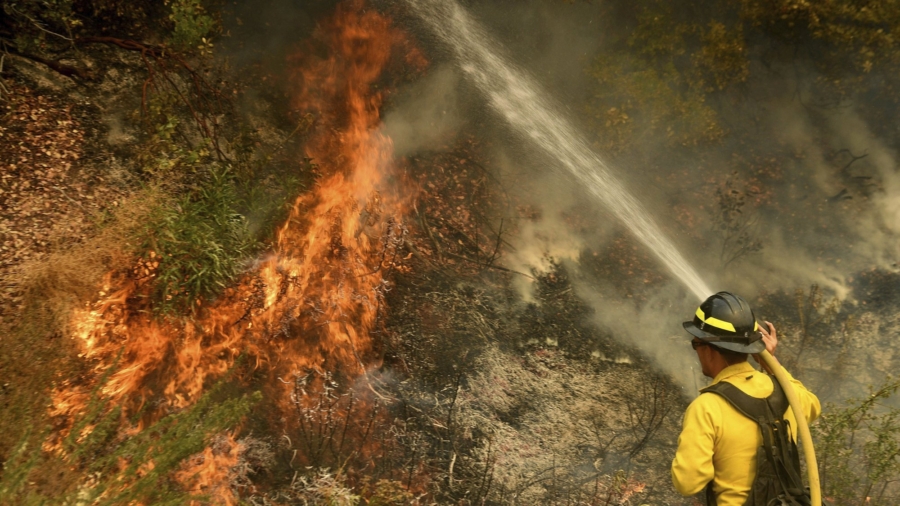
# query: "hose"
{"type": "Point", "coordinates": [809, 453]}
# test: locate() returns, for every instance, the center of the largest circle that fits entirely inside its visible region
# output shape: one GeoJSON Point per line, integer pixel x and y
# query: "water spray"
{"type": "Point", "coordinates": [516, 98]}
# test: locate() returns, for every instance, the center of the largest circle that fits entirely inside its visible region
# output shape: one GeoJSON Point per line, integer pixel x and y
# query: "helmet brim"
{"type": "Point", "coordinates": [754, 347]}
{"type": "Point", "coordinates": [696, 331]}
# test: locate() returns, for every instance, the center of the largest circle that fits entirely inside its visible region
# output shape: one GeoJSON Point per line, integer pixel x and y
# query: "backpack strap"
{"type": "Point", "coordinates": [752, 407]}
{"type": "Point", "coordinates": [778, 448]}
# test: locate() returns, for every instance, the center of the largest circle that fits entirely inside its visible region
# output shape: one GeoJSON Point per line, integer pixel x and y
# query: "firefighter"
{"type": "Point", "coordinates": [720, 447]}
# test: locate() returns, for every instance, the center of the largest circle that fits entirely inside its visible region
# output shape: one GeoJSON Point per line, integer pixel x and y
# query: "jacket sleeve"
{"type": "Point", "coordinates": [808, 400]}
{"type": "Point", "coordinates": [692, 467]}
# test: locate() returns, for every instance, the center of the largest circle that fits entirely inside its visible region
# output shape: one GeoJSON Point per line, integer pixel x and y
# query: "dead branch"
{"type": "Point", "coordinates": [497, 246]}
{"type": "Point", "coordinates": [648, 412]}
{"type": "Point", "coordinates": [56, 66]}
{"type": "Point", "coordinates": [155, 59]}
{"type": "Point", "coordinates": [38, 25]}
{"type": "Point", "coordinates": [424, 222]}
{"type": "Point", "coordinates": [486, 479]}
{"type": "Point", "coordinates": [473, 243]}
{"type": "Point", "coordinates": [853, 158]}
{"type": "Point", "coordinates": [418, 254]}
{"type": "Point", "coordinates": [3, 87]}
{"type": "Point", "coordinates": [496, 267]}
{"type": "Point", "coordinates": [131, 45]}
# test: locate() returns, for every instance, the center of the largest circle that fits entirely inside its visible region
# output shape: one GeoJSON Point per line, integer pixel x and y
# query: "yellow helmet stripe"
{"type": "Point", "coordinates": [715, 322]}
{"type": "Point", "coordinates": [755, 326]}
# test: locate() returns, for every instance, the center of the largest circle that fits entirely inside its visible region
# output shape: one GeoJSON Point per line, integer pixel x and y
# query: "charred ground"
{"type": "Point", "coordinates": [471, 392]}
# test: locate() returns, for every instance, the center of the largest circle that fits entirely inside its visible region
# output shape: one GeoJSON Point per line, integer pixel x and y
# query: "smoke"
{"type": "Point", "coordinates": [818, 220]}
{"type": "Point", "coordinates": [834, 214]}
{"type": "Point", "coordinates": [653, 327]}
{"type": "Point", "coordinates": [882, 224]}
{"type": "Point", "coordinates": [544, 236]}
{"type": "Point", "coordinates": [263, 32]}
{"type": "Point", "coordinates": [816, 217]}
{"type": "Point", "coordinates": [426, 115]}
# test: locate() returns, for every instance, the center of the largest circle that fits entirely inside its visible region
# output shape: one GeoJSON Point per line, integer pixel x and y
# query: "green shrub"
{"type": "Point", "coordinates": [202, 235]}
{"type": "Point", "coordinates": [200, 242]}
{"type": "Point", "coordinates": [112, 466]}
{"type": "Point", "coordinates": [858, 446]}
{"type": "Point", "coordinates": [37, 24]}
{"type": "Point", "coordinates": [192, 24]}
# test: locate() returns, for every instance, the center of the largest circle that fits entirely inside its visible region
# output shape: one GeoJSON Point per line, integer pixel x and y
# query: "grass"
{"type": "Point", "coordinates": [36, 348]}
{"type": "Point", "coordinates": [202, 221]}
{"type": "Point", "coordinates": [112, 466]}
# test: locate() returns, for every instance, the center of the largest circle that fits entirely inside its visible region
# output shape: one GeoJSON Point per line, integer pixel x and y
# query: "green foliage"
{"type": "Point", "coordinates": [633, 98]}
{"type": "Point", "coordinates": [722, 59]}
{"type": "Point", "coordinates": [192, 24]}
{"type": "Point", "coordinates": [659, 84]}
{"type": "Point", "coordinates": [123, 18]}
{"type": "Point", "coordinates": [98, 424]}
{"type": "Point", "coordinates": [868, 26]}
{"type": "Point", "coordinates": [165, 154]}
{"type": "Point", "coordinates": [167, 443]}
{"type": "Point", "coordinates": [265, 188]}
{"type": "Point", "coordinates": [848, 40]}
{"type": "Point", "coordinates": [265, 202]}
{"type": "Point", "coordinates": [858, 447]}
{"type": "Point", "coordinates": [36, 24]}
{"type": "Point", "coordinates": [200, 242]}
{"type": "Point", "coordinates": [118, 468]}
{"type": "Point", "coordinates": [116, 14]}
{"type": "Point", "coordinates": [389, 493]}
{"type": "Point", "coordinates": [658, 33]}
{"type": "Point", "coordinates": [16, 470]}
{"type": "Point", "coordinates": [679, 57]}
{"type": "Point", "coordinates": [219, 206]}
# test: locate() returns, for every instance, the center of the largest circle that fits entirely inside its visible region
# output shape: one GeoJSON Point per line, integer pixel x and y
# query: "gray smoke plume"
{"type": "Point", "coordinates": [816, 222]}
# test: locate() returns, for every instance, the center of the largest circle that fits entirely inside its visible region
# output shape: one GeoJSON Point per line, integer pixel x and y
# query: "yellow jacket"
{"type": "Point", "coordinates": [718, 443]}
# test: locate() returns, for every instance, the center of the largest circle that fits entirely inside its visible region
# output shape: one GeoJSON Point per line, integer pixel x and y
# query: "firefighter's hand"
{"type": "Point", "coordinates": [770, 337]}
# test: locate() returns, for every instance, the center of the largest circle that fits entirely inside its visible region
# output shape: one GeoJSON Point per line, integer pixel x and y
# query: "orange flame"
{"type": "Point", "coordinates": [209, 472]}
{"type": "Point", "coordinates": [315, 300]}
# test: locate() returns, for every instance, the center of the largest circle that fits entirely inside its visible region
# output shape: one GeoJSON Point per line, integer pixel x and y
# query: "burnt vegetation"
{"type": "Point", "coordinates": [134, 152]}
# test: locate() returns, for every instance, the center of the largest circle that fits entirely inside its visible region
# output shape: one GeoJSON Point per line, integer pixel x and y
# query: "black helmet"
{"type": "Point", "coordinates": [725, 320]}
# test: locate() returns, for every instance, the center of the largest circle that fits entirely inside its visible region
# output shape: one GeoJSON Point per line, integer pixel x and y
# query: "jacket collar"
{"type": "Point", "coordinates": [733, 370]}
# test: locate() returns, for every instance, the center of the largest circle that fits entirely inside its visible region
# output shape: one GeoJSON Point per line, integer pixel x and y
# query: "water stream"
{"type": "Point", "coordinates": [518, 99]}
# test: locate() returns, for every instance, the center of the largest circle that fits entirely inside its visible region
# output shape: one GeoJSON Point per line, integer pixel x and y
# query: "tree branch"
{"type": "Point", "coordinates": [54, 65]}
{"type": "Point", "coordinates": [497, 267]}
{"type": "Point", "coordinates": [201, 112]}
{"type": "Point", "coordinates": [3, 87]}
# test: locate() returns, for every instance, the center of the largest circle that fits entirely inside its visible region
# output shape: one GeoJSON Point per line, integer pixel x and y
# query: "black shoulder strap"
{"type": "Point", "coordinates": [779, 450]}
{"type": "Point", "coordinates": [751, 407]}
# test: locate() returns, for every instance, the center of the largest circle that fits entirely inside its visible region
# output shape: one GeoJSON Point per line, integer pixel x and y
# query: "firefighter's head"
{"type": "Point", "coordinates": [725, 325]}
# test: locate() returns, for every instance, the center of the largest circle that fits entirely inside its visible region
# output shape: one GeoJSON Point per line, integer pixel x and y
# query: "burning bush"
{"type": "Point", "coordinates": [461, 394]}
{"type": "Point", "coordinates": [121, 463]}
{"type": "Point", "coordinates": [197, 244]}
